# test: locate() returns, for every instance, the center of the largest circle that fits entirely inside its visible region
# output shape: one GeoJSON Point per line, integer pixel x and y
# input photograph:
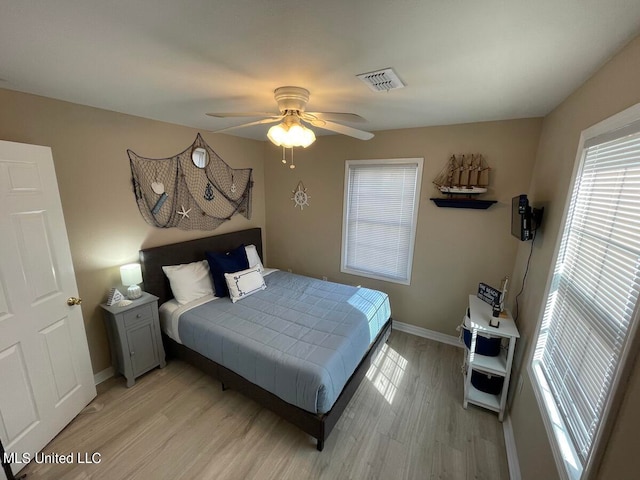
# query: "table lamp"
{"type": "Point", "coordinates": [131, 276]}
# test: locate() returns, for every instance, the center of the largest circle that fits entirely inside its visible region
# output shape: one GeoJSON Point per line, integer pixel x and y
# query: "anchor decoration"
{"type": "Point", "coordinates": [208, 192]}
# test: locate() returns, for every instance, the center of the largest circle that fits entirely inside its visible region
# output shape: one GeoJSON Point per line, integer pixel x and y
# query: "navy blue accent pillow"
{"type": "Point", "coordinates": [221, 263]}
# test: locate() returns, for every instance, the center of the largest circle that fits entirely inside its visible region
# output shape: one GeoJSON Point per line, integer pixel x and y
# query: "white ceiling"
{"type": "Point", "coordinates": [462, 60]}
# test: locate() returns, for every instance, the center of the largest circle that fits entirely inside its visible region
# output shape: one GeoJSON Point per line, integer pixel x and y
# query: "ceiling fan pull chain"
{"type": "Point", "coordinates": [284, 160]}
{"type": "Point", "coordinates": [292, 166]}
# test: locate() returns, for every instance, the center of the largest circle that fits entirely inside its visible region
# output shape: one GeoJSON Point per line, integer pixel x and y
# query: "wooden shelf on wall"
{"type": "Point", "coordinates": [463, 203]}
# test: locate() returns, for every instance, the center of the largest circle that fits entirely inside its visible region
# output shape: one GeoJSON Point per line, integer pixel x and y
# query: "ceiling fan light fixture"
{"type": "Point", "coordinates": [291, 132]}
{"type": "Point", "coordinates": [289, 136]}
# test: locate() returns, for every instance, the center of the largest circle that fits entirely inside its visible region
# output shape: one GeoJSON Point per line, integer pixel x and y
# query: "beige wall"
{"type": "Point", "coordinates": [455, 248]}
{"type": "Point", "coordinates": [104, 225]}
{"type": "Point", "coordinates": [613, 88]}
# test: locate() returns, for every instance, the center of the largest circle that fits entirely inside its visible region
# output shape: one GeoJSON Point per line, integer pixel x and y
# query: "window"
{"type": "Point", "coordinates": [380, 214]}
{"type": "Point", "coordinates": [590, 311]}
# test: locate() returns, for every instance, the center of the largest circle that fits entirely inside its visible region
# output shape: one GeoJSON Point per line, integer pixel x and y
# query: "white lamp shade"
{"type": "Point", "coordinates": [131, 274]}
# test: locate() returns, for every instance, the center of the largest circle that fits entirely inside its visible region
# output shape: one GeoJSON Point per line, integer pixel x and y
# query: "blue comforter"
{"type": "Point", "coordinates": [300, 339]}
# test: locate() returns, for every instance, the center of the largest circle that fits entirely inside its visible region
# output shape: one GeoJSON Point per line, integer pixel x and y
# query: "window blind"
{"type": "Point", "coordinates": [595, 286]}
{"type": "Point", "coordinates": [381, 201]}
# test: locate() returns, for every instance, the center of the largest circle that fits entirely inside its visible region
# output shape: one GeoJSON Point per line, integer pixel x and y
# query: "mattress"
{"type": "Point", "coordinates": [300, 338]}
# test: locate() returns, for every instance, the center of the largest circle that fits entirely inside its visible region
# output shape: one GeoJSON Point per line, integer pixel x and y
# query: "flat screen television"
{"type": "Point", "coordinates": [524, 219]}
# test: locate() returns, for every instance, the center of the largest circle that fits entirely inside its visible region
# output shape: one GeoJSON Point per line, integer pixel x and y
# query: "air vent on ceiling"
{"type": "Point", "coordinates": [381, 80]}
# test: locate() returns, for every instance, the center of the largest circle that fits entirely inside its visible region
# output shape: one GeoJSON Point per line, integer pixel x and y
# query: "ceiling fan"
{"type": "Point", "coordinates": [291, 103]}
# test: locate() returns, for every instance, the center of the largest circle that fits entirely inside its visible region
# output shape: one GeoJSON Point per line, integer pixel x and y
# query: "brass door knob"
{"type": "Point", "coordinates": [71, 301]}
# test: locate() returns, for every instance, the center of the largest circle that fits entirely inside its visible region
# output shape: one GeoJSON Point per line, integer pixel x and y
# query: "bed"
{"type": "Point", "coordinates": [252, 377]}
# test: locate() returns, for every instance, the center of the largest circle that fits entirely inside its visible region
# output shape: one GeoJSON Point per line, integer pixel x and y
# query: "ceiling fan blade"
{"type": "Point", "coordinates": [336, 116]}
{"type": "Point", "coordinates": [343, 129]}
{"type": "Point", "coordinates": [257, 122]}
{"type": "Point", "coordinates": [242, 114]}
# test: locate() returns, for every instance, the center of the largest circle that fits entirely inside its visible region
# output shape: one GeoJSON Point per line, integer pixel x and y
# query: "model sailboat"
{"type": "Point", "coordinates": [464, 177]}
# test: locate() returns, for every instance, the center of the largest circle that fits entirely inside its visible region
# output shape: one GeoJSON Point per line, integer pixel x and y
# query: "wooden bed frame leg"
{"type": "Point", "coordinates": [320, 445]}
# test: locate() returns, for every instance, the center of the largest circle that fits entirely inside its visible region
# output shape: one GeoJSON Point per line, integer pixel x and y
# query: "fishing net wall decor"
{"type": "Point", "coordinates": [193, 190]}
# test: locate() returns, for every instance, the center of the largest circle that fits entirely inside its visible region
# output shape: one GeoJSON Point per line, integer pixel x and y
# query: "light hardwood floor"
{"type": "Point", "coordinates": [406, 421]}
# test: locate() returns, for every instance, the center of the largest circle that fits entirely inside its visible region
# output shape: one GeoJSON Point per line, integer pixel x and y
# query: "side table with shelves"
{"type": "Point", "coordinates": [498, 366]}
{"type": "Point", "coordinates": [134, 337]}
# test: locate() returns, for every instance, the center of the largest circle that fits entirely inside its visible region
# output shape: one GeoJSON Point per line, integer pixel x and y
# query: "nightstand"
{"type": "Point", "coordinates": [134, 337]}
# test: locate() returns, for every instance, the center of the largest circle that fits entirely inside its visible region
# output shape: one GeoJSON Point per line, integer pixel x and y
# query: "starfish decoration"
{"type": "Point", "coordinates": [183, 212]}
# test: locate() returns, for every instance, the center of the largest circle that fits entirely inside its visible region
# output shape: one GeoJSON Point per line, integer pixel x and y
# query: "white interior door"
{"type": "Point", "coordinates": [45, 372]}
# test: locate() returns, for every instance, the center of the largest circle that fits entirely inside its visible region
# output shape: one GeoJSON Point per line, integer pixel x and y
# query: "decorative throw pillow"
{"type": "Point", "coordinates": [221, 263]}
{"type": "Point", "coordinates": [189, 281]}
{"type": "Point", "coordinates": [244, 283]}
{"type": "Point", "coordinates": [253, 257]}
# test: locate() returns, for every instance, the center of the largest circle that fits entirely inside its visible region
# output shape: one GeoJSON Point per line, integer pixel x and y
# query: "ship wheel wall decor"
{"type": "Point", "coordinates": [192, 190]}
{"type": "Point", "coordinates": [300, 197]}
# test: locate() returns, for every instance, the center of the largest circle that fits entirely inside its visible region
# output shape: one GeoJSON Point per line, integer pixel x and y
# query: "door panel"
{"type": "Point", "coordinates": [18, 400]}
{"type": "Point", "coordinates": [40, 271]}
{"type": "Point", "coordinates": [58, 346]}
{"type": "Point", "coordinates": [23, 177]}
{"type": "Point", "coordinates": [4, 304]}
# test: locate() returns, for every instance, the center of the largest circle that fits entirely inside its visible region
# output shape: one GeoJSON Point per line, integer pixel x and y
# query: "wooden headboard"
{"type": "Point", "coordinates": [153, 259]}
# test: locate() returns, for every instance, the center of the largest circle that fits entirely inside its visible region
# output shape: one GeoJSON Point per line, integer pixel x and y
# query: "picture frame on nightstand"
{"type": "Point", "coordinates": [114, 297]}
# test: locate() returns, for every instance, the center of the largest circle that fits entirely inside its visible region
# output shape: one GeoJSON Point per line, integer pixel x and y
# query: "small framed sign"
{"type": "Point", "coordinates": [114, 297]}
{"type": "Point", "coordinates": [488, 294]}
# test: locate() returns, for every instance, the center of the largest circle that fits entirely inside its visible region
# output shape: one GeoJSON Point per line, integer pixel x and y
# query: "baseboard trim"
{"type": "Point", "coordinates": [426, 333]}
{"type": "Point", "coordinates": [105, 374]}
{"type": "Point", "coordinates": [510, 446]}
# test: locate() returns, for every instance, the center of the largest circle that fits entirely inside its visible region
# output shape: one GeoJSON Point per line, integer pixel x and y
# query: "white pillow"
{"type": "Point", "coordinates": [189, 281]}
{"type": "Point", "coordinates": [253, 257]}
{"type": "Point", "coordinates": [244, 283]}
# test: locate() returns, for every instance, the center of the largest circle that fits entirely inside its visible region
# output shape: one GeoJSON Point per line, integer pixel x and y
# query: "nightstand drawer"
{"type": "Point", "coordinates": [143, 313]}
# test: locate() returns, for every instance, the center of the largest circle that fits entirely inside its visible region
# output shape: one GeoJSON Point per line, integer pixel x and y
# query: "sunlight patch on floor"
{"type": "Point", "coordinates": [387, 371]}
